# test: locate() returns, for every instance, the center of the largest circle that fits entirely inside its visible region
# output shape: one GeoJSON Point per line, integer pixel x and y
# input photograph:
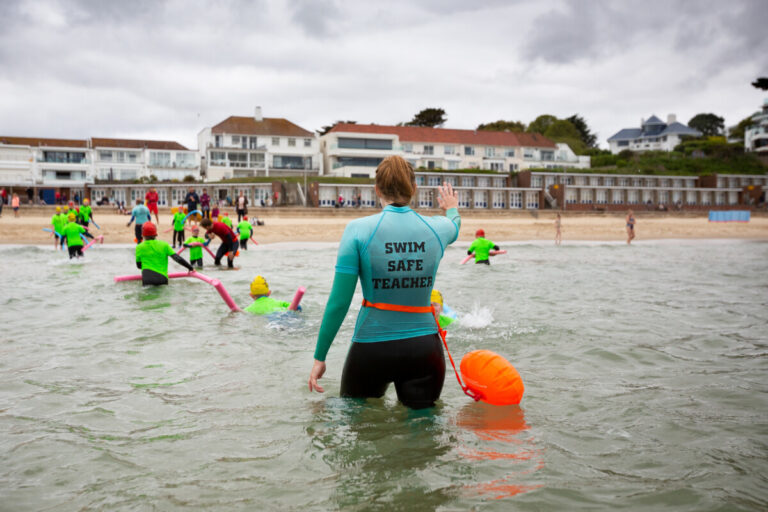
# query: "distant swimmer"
{"type": "Point", "coordinates": [630, 226]}
{"type": "Point", "coordinates": [481, 247]}
{"type": "Point", "coordinates": [558, 233]}
{"type": "Point", "coordinates": [152, 257]}
{"type": "Point", "coordinates": [395, 255]}
{"type": "Point", "coordinates": [262, 303]}
{"type": "Point", "coordinates": [229, 243]}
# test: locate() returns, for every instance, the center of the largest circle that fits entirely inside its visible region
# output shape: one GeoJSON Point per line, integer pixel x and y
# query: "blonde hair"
{"type": "Point", "coordinates": [396, 180]}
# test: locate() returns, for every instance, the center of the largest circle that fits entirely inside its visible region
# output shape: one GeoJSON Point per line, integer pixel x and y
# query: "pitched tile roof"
{"type": "Point", "coordinates": [45, 142]}
{"type": "Point", "coordinates": [626, 133]}
{"type": "Point", "coordinates": [450, 136]}
{"type": "Point", "coordinates": [268, 126]}
{"type": "Point", "coordinates": [97, 142]}
{"type": "Point", "coordinates": [681, 129]}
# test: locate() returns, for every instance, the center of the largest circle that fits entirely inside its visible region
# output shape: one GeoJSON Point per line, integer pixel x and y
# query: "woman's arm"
{"type": "Point", "coordinates": [335, 311]}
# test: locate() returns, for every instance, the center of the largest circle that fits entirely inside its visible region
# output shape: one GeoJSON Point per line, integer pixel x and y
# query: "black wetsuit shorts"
{"type": "Point", "coordinates": [415, 365]}
{"type": "Point", "coordinates": [152, 277]}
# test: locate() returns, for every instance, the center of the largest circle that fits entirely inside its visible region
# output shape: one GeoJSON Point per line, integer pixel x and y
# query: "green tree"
{"type": "Point", "coordinates": [326, 129]}
{"type": "Point", "coordinates": [502, 126]}
{"type": "Point", "coordinates": [708, 124]}
{"type": "Point", "coordinates": [428, 117]}
{"type": "Point", "coordinates": [541, 123]}
{"type": "Point", "coordinates": [564, 131]}
{"type": "Point", "coordinates": [761, 83]}
{"type": "Point", "coordinates": [587, 137]}
{"type": "Point", "coordinates": [737, 132]}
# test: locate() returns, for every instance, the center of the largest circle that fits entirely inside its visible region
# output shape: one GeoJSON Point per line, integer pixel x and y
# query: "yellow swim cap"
{"type": "Point", "coordinates": [174, 209]}
{"type": "Point", "coordinates": [71, 217]}
{"type": "Point", "coordinates": [259, 286]}
{"type": "Point", "coordinates": [58, 208]}
{"type": "Point", "coordinates": [436, 296]}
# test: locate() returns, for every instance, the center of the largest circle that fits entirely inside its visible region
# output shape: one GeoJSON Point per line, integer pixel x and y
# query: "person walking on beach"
{"type": "Point", "coordinates": [630, 220]}
{"type": "Point", "coordinates": [151, 198]}
{"type": "Point", "coordinates": [140, 214]}
{"type": "Point", "coordinates": [15, 204]}
{"type": "Point", "coordinates": [241, 206]}
{"type": "Point", "coordinates": [205, 204]}
{"type": "Point", "coordinates": [558, 233]}
{"type": "Point", "coordinates": [192, 200]}
{"type": "Point", "coordinates": [395, 255]}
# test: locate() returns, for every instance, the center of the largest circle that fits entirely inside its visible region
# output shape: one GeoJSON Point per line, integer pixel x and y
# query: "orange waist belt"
{"type": "Point", "coordinates": [424, 309]}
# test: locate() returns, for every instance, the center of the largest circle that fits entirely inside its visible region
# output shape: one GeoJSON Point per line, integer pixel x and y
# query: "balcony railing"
{"type": "Point", "coordinates": [84, 161]}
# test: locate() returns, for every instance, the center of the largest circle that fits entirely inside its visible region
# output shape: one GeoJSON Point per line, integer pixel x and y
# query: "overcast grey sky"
{"type": "Point", "coordinates": [166, 69]}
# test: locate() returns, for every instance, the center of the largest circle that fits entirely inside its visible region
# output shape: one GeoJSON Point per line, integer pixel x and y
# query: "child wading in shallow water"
{"type": "Point", "coordinates": [196, 251]}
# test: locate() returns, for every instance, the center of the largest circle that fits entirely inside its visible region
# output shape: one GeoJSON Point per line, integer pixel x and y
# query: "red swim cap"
{"type": "Point", "coordinates": [245, 217]}
{"type": "Point", "coordinates": [148, 229]}
{"type": "Point", "coordinates": [480, 232]}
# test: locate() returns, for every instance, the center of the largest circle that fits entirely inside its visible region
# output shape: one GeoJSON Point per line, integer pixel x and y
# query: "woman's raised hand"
{"type": "Point", "coordinates": [447, 198]}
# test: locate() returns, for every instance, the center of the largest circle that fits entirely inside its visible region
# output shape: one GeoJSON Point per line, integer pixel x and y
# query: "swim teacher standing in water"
{"type": "Point", "coordinates": [395, 254]}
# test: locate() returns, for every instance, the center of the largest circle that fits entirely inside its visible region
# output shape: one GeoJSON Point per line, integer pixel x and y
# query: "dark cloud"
{"type": "Point", "coordinates": [316, 17]}
{"type": "Point", "coordinates": [590, 30]}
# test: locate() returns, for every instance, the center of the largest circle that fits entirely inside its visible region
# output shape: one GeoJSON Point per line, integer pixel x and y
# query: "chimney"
{"type": "Point", "coordinates": [257, 114]}
{"type": "Point", "coordinates": [671, 118]}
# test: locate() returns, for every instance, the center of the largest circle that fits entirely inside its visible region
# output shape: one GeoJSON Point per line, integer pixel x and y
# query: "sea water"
{"type": "Point", "coordinates": [644, 366]}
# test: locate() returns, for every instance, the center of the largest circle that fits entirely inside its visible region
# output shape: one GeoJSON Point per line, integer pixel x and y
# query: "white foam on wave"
{"type": "Point", "coordinates": [477, 318]}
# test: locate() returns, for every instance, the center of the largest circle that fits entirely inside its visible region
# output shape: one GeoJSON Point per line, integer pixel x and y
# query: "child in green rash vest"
{"type": "Point", "coordinates": [58, 222]}
{"type": "Point", "coordinates": [263, 304]}
{"type": "Point", "coordinates": [86, 213]}
{"type": "Point", "coordinates": [178, 226]}
{"type": "Point", "coordinates": [482, 247]}
{"type": "Point", "coordinates": [244, 230]}
{"type": "Point", "coordinates": [226, 220]}
{"type": "Point", "coordinates": [72, 232]}
{"type": "Point", "coordinates": [152, 257]}
{"type": "Point", "coordinates": [436, 298]}
{"type": "Point", "coordinates": [196, 251]}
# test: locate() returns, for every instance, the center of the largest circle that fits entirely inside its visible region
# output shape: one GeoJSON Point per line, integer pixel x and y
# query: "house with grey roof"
{"type": "Point", "coordinates": [653, 135]}
{"type": "Point", "coordinates": [756, 135]}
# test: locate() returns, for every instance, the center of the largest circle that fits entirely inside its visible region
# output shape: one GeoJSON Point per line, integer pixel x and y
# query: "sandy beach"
{"type": "Point", "coordinates": [327, 225]}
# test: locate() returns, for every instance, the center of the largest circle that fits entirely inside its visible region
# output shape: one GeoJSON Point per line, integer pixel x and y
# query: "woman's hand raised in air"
{"type": "Point", "coordinates": [447, 198]}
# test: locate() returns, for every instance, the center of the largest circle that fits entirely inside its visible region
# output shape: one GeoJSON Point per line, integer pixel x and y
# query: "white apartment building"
{"type": "Point", "coordinates": [128, 159]}
{"type": "Point", "coordinates": [756, 136]}
{"type": "Point", "coordinates": [240, 147]}
{"type": "Point", "coordinates": [653, 135]}
{"type": "Point", "coordinates": [354, 150]}
{"type": "Point", "coordinates": [45, 165]}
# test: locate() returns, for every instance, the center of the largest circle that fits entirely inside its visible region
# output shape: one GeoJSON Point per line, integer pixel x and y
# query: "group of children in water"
{"type": "Point", "coordinates": [70, 225]}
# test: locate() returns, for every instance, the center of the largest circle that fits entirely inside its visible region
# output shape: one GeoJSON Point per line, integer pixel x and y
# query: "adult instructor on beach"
{"type": "Point", "coordinates": [395, 254]}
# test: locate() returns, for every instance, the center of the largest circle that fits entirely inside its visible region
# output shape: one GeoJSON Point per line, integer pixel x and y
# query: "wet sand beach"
{"type": "Point", "coordinates": [327, 225]}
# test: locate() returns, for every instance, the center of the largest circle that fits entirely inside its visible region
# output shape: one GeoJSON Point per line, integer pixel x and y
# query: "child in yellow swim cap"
{"type": "Point", "coordinates": [263, 304]}
{"type": "Point", "coordinates": [436, 298]}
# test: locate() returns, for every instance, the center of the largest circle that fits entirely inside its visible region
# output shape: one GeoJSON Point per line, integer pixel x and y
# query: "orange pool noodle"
{"type": "Point", "coordinates": [493, 377]}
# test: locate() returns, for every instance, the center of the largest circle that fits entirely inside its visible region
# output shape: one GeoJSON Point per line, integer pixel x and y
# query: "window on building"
{"type": "Point", "coordinates": [253, 142]}
{"type": "Point", "coordinates": [449, 150]}
{"type": "Point", "coordinates": [218, 158]}
{"type": "Point", "coordinates": [548, 155]}
{"type": "Point", "coordinates": [307, 143]}
{"type": "Point", "coordinates": [257, 159]}
{"type": "Point", "coordinates": [160, 159]}
{"type": "Point", "coordinates": [132, 157]}
{"type": "Point", "coordinates": [291, 142]}
{"type": "Point", "coordinates": [469, 150]}
{"type": "Point", "coordinates": [288, 162]}
{"type": "Point", "coordinates": [516, 200]}
{"type": "Point", "coordinates": [510, 152]}
{"type": "Point", "coordinates": [453, 165]}
{"type": "Point", "coordinates": [235, 140]}
{"type": "Point", "coordinates": [490, 152]}
{"type": "Point", "coordinates": [358, 161]}
{"type": "Point", "coordinates": [429, 150]}
{"type": "Point", "coordinates": [120, 156]}
{"type": "Point", "coordinates": [528, 153]}
{"type": "Point", "coordinates": [275, 141]}
{"type": "Point", "coordinates": [362, 143]}
{"type": "Point", "coordinates": [105, 156]}
{"type": "Point", "coordinates": [185, 160]}
{"type": "Point", "coordinates": [407, 147]}
{"type": "Point", "coordinates": [238, 159]}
